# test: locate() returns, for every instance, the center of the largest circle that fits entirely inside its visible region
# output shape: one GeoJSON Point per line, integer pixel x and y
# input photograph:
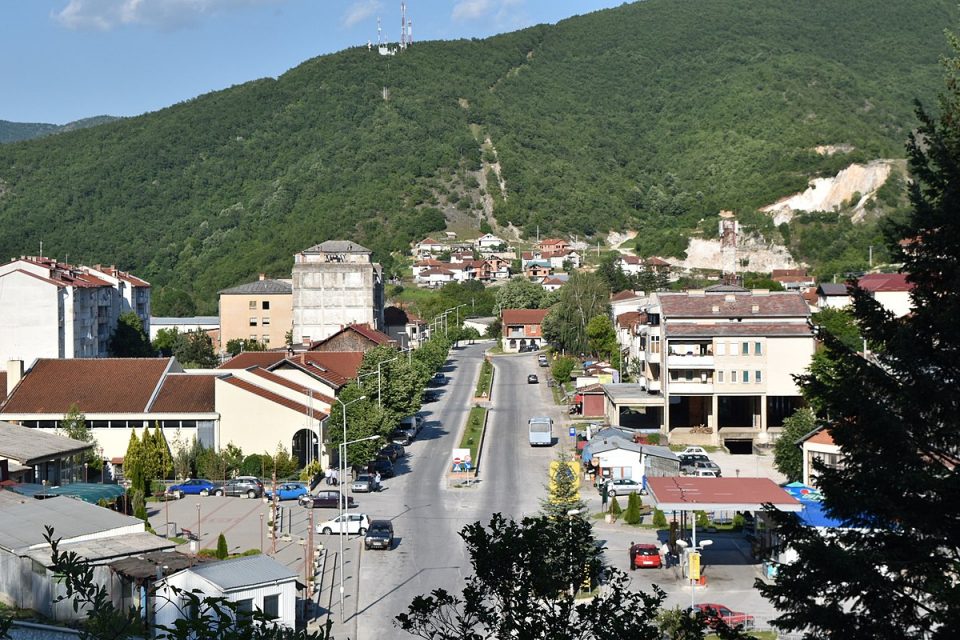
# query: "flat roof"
{"type": "Point", "coordinates": [719, 494]}
{"type": "Point", "coordinates": [631, 393]}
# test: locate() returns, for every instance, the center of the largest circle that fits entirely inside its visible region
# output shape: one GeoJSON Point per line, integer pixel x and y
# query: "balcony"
{"type": "Point", "coordinates": [690, 361]}
{"type": "Point", "coordinates": [691, 387]}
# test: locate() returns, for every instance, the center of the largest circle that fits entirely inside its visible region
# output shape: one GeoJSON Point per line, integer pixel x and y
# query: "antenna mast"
{"type": "Point", "coordinates": [403, 25]}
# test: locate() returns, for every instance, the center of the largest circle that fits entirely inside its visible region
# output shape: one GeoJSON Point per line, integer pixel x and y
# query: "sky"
{"type": "Point", "coordinates": [62, 60]}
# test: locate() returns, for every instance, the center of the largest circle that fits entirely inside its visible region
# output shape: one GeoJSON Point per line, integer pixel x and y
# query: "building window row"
{"type": "Point", "coordinates": [744, 348]}
{"type": "Point", "coordinates": [744, 376]}
{"type": "Point", "coordinates": [252, 305]}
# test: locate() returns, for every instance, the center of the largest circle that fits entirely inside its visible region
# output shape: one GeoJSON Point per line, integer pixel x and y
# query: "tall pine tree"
{"type": "Point", "coordinates": [891, 572]}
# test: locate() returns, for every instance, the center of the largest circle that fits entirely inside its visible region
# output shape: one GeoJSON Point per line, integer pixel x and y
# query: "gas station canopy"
{"type": "Point", "coordinates": [719, 494]}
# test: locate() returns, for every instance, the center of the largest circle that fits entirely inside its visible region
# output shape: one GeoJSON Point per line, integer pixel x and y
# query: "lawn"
{"type": "Point", "coordinates": [473, 434]}
{"type": "Point", "coordinates": [485, 382]}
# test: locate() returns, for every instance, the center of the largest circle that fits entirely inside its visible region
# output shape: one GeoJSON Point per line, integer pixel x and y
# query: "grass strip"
{"type": "Point", "coordinates": [473, 433]}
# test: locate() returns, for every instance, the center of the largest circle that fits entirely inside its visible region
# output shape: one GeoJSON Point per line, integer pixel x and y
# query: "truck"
{"type": "Point", "coordinates": [541, 431]}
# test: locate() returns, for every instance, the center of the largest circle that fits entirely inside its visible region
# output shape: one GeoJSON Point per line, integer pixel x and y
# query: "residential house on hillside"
{"type": "Point", "coordinates": [435, 277]}
{"type": "Point", "coordinates": [427, 247]}
{"type": "Point", "coordinates": [253, 583]}
{"type": "Point", "coordinates": [261, 311]}
{"type": "Point", "coordinates": [50, 309]}
{"type": "Point", "coordinates": [38, 456]}
{"type": "Point", "coordinates": [718, 364]}
{"type": "Point", "coordinates": [554, 282]}
{"type": "Point", "coordinates": [96, 534]}
{"type": "Point", "coordinates": [833, 296]}
{"type": "Point", "coordinates": [537, 270]}
{"type": "Point", "coordinates": [404, 327]}
{"type": "Point", "coordinates": [625, 301]}
{"type": "Point", "coordinates": [891, 290]}
{"type": "Point", "coordinates": [489, 241]}
{"type": "Point", "coordinates": [522, 327]}
{"type": "Point", "coordinates": [630, 265]}
{"type": "Point", "coordinates": [553, 245]}
{"type": "Point", "coordinates": [793, 279]}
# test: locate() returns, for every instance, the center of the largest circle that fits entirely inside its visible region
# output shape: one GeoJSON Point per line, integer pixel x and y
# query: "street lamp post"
{"type": "Point", "coordinates": [342, 526]}
{"type": "Point", "coordinates": [570, 514]}
{"type": "Point", "coordinates": [198, 524]}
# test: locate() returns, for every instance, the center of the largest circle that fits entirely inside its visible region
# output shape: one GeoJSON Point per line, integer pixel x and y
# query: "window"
{"type": "Point", "coordinates": [266, 305]}
{"type": "Point", "coordinates": [720, 377]}
{"type": "Point", "coordinates": [733, 377]}
{"type": "Point", "coordinates": [654, 344]}
{"type": "Point", "coordinates": [757, 349]}
{"type": "Point", "coordinates": [253, 321]}
{"type": "Point", "coordinates": [265, 321]}
{"type": "Point", "coordinates": [733, 348]}
{"type": "Point", "coordinates": [746, 377]}
{"type": "Point", "coordinates": [245, 608]}
{"type": "Point", "coordinates": [746, 348]}
{"type": "Point", "coordinates": [757, 377]}
{"type": "Point", "coordinates": [271, 606]}
{"type": "Point", "coordinates": [253, 337]}
{"type": "Point", "coordinates": [252, 305]}
{"type": "Point", "coordinates": [721, 348]}
{"type": "Point", "coordinates": [266, 338]}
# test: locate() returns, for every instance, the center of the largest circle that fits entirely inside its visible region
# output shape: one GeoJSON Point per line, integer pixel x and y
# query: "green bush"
{"type": "Point", "coordinates": [615, 509]}
{"type": "Point", "coordinates": [739, 521]}
{"type": "Point", "coordinates": [632, 516]}
{"type": "Point", "coordinates": [659, 519]}
{"type": "Point", "coordinates": [653, 438]}
{"type": "Point", "coordinates": [222, 550]}
{"type": "Point", "coordinates": [702, 519]}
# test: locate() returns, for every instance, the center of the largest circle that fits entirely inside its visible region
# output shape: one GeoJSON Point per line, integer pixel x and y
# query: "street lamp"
{"type": "Point", "coordinates": [198, 524]}
{"type": "Point", "coordinates": [570, 514]}
{"type": "Point", "coordinates": [342, 527]}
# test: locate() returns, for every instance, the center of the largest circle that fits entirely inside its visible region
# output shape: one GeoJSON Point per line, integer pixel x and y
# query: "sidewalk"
{"type": "Point", "coordinates": [326, 602]}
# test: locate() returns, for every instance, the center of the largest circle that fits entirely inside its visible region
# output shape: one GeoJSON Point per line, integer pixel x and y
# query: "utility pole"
{"type": "Point", "coordinates": [308, 574]}
{"type": "Point", "coordinates": [871, 256]}
{"type": "Point", "coordinates": [273, 512]}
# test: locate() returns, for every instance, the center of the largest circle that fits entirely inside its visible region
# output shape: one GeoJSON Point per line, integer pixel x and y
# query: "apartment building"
{"type": "Point", "coordinates": [50, 309]}
{"type": "Point", "coordinates": [261, 311]}
{"type": "Point", "coordinates": [717, 364]}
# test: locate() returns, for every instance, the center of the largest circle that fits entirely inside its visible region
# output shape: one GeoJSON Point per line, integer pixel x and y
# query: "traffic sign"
{"type": "Point", "coordinates": [573, 432]}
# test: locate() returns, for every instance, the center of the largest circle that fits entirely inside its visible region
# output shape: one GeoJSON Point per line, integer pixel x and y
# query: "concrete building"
{"type": "Point", "coordinates": [261, 310]}
{"type": "Point", "coordinates": [335, 284]}
{"type": "Point", "coordinates": [50, 309]}
{"type": "Point", "coordinates": [818, 445]}
{"type": "Point", "coordinates": [891, 290]}
{"type": "Point", "coordinates": [208, 324]}
{"type": "Point", "coordinates": [717, 365]}
{"type": "Point", "coordinates": [521, 328]}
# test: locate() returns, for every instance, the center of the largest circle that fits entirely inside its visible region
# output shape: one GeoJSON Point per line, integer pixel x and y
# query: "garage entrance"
{"type": "Point", "coordinates": [739, 447]}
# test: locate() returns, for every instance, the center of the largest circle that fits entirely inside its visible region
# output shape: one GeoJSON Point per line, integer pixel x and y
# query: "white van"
{"type": "Point", "coordinates": [706, 473]}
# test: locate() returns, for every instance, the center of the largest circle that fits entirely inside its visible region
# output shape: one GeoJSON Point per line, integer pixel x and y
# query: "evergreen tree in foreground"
{"type": "Point", "coordinates": [892, 571]}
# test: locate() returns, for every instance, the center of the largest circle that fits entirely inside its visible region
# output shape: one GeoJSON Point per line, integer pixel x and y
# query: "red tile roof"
{"type": "Point", "coordinates": [185, 392]}
{"type": "Point", "coordinates": [884, 282]}
{"type": "Point", "coordinates": [821, 437]}
{"type": "Point", "coordinates": [249, 359]}
{"type": "Point", "coordinates": [732, 305]}
{"type": "Point", "coordinates": [656, 262]}
{"type": "Point", "coordinates": [744, 329]}
{"type": "Point", "coordinates": [122, 275]}
{"type": "Point", "coordinates": [720, 493]}
{"type": "Point", "coordinates": [780, 273]}
{"type": "Point", "coordinates": [3, 386]}
{"type": "Point", "coordinates": [289, 384]}
{"type": "Point", "coordinates": [623, 295]}
{"type": "Point", "coordinates": [629, 319]}
{"type": "Point", "coordinates": [275, 398]}
{"type": "Point", "coordinates": [524, 316]}
{"type": "Point", "coordinates": [631, 259]}
{"type": "Point", "coordinates": [343, 363]}
{"type": "Point", "coordinates": [102, 385]}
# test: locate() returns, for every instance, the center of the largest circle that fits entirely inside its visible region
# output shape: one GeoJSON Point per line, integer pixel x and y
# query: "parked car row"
{"type": "Point", "coordinates": [698, 464]}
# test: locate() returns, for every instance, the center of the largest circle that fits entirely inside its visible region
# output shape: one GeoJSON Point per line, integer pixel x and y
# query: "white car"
{"type": "Point", "coordinates": [348, 522]}
{"type": "Point", "coordinates": [695, 450]}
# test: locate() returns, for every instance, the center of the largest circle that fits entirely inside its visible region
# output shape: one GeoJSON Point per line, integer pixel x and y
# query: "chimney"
{"type": "Point", "coordinates": [14, 374]}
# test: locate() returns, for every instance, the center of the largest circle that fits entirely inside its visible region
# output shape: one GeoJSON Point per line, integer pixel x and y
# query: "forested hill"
{"type": "Point", "coordinates": [651, 116]}
{"type": "Point", "coordinates": [17, 131]}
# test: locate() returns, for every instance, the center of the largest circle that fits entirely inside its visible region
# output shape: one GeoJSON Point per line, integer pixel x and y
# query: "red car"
{"type": "Point", "coordinates": [714, 612]}
{"type": "Point", "coordinates": [644, 555]}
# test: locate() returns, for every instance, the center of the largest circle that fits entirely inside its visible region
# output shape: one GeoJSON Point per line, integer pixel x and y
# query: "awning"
{"type": "Point", "coordinates": [813, 513]}
{"type": "Point", "coordinates": [719, 494]}
{"type": "Point", "coordinates": [86, 491]}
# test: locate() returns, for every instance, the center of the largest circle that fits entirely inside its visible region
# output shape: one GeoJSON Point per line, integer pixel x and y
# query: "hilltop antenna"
{"type": "Point", "coordinates": [379, 33]}
{"type": "Point", "coordinates": [403, 25]}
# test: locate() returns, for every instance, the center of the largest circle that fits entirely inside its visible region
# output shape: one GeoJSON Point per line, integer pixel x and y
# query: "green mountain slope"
{"type": "Point", "coordinates": [650, 116]}
{"type": "Point", "coordinates": [17, 131]}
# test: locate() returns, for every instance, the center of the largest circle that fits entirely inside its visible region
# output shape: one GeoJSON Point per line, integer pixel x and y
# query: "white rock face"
{"type": "Point", "coordinates": [753, 254]}
{"type": "Point", "coordinates": [829, 194]}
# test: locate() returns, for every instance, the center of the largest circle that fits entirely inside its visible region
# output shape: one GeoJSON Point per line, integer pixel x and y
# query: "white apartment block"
{"type": "Point", "coordinates": [335, 284]}
{"type": "Point", "coordinates": [716, 365]}
{"type": "Point", "coordinates": [49, 309]}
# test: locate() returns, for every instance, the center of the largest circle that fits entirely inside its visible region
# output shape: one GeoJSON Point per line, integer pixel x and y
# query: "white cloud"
{"type": "Point", "coordinates": [103, 15]}
{"type": "Point", "coordinates": [359, 11]}
{"type": "Point", "coordinates": [500, 10]}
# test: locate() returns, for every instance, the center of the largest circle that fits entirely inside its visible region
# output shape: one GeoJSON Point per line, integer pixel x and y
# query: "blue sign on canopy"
{"type": "Point", "coordinates": [813, 513]}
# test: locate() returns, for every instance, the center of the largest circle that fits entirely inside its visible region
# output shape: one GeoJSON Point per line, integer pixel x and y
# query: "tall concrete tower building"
{"type": "Point", "coordinates": [335, 284]}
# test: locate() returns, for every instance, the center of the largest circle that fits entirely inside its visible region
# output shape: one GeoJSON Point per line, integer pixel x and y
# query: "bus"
{"type": "Point", "coordinates": [541, 431]}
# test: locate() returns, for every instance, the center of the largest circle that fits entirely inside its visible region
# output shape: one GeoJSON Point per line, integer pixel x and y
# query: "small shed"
{"type": "Point", "coordinates": [252, 582]}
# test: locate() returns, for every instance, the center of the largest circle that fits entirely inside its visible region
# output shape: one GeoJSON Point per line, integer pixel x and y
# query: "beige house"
{"type": "Point", "coordinates": [261, 310]}
{"type": "Point", "coordinates": [819, 445]}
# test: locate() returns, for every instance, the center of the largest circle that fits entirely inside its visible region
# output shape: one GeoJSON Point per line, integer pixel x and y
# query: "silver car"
{"type": "Point", "coordinates": [365, 483]}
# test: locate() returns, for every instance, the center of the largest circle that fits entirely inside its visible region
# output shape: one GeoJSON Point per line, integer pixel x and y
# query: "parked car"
{"type": "Point", "coordinates": [689, 460]}
{"type": "Point", "coordinates": [714, 612]}
{"type": "Point", "coordinates": [325, 499]}
{"type": "Point", "coordinates": [347, 523]}
{"type": "Point", "coordinates": [693, 450]}
{"type": "Point", "coordinates": [393, 451]}
{"type": "Point", "coordinates": [529, 348]}
{"type": "Point", "coordinates": [402, 437]}
{"type": "Point", "coordinates": [542, 360]}
{"type": "Point", "coordinates": [622, 487]}
{"type": "Point", "coordinates": [533, 379]}
{"type": "Point", "coordinates": [379, 535]}
{"type": "Point", "coordinates": [705, 473]}
{"type": "Point", "coordinates": [289, 491]}
{"type": "Point", "coordinates": [644, 555]}
{"type": "Point", "coordinates": [706, 465]}
{"type": "Point", "coordinates": [383, 466]}
{"type": "Point", "coordinates": [365, 483]}
{"type": "Point", "coordinates": [241, 487]}
{"type": "Point", "coordinates": [430, 395]}
{"type": "Point", "coordinates": [438, 379]}
{"type": "Point", "coordinates": [194, 487]}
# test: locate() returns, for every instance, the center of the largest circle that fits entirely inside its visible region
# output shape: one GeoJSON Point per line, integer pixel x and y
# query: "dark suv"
{"type": "Point", "coordinates": [379, 535]}
{"type": "Point", "coordinates": [325, 500]}
{"type": "Point", "coordinates": [383, 466]}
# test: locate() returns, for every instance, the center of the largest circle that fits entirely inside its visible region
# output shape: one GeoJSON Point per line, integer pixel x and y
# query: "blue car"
{"type": "Point", "coordinates": [289, 491]}
{"type": "Point", "coordinates": [195, 487]}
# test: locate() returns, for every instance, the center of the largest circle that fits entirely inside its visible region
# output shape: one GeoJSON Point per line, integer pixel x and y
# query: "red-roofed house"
{"type": "Point", "coordinates": [429, 246]}
{"type": "Point", "coordinates": [793, 278]}
{"type": "Point", "coordinates": [553, 244]}
{"type": "Point", "coordinates": [889, 289]}
{"type": "Point", "coordinates": [818, 445]}
{"type": "Point", "coordinates": [522, 327]}
{"type": "Point", "coordinates": [50, 309]}
{"type": "Point", "coordinates": [354, 337]}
